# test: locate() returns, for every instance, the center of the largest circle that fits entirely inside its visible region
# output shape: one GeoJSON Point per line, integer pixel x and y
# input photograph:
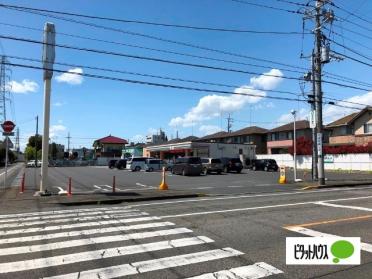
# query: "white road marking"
{"type": "Point", "coordinates": [364, 246]}
{"type": "Point", "coordinates": [78, 225]}
{"type": "Point", "coordinates": [254, 271]}
{"type": "Point", "coordinates": [97, 187]}
{"type": "Point", "coordinates": [201, 188]}
{"type": "Point", "coordinates": [235, 186]}
{"type": "Point", "coordinates": [59, 216]}
{"type": "Point", "coordinates": [151, 265]}
{"type": "Point", "coordinates": [345, 206]}
{"type": "Point", "coordinates": [52, 212]}
{"type": "Point", "coordinates": [140, 184]}
{"type": "Point", "coordinates": [258, 207]}
{"type": "Point", "coordinates": [76, 219]}
{"type": "Point", "coordinates": [83, 232]}
{"type": "Point", "coordinates": [265, 185]}
{"type": "Point", "coordinates": [253, 196]}
{"type": "Point", "coordinates": [108, 186]}
{"type": "Point", "coordinates": [87, 241]}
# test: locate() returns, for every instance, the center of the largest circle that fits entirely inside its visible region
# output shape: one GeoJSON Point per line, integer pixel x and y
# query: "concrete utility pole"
{"type": "Point", "coordinates": [318, 89]}
{"type": "Point", "coordinates": [48, 60]}
{"type": "Point", "coordinates": [314, 160]}
{"type": "Point", "coordinates": [68, 143]}
{"type": "Point", "coordinates": [36, 135]}
{"type": "Point", "coordinates": [229, 123]}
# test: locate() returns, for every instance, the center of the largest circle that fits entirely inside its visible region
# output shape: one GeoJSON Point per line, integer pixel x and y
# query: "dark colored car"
{"type": "Point", "coordinates": [264, 164]}
{"type": "Point", "coordinates": [187, 166]}
{"type": "Point", "coordinates": [121, 164]}
{"type": "Point", "coordinates": [232, 164]}
{"type": "Point", "coordinates": [212, 165]}
{"type": "Point", "coordinates": [112, 163]}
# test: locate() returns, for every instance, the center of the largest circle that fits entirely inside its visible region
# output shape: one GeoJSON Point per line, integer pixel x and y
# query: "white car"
{"type": "Point", "coordinates": [136, 163]}
{"type": "Point", "coordinates": [31, 164]}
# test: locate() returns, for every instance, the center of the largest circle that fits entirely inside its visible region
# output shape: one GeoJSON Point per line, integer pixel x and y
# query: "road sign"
{"type": "Point", "coordinates": [8, 134]}
{"type": "Point", "coordinates": [8, 126]}
{"type": "Point", "coordinates": [312, 119]}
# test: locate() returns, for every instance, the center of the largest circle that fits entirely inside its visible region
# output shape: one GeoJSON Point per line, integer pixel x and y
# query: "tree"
{"type": "Point", "coordinates": [53, 150]}
{"type": "Point", "coordinates": [35, 141]}
{"type": "Point", "coordinates": [30, 153]}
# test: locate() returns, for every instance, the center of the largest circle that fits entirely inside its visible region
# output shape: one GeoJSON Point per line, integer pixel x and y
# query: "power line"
{"type": "Point", "coordinates": [293, 3]}
{"type": "Point", "coordinates": [267, 7]}
{"type": "Point", "coordinates": [342, 36]}
{"type": "Point", "coordinates": [172, 78]}
{"type": "Point", "coordinates": [203, 90]}
{"type": "Point", "coordinates": [350, 49]}
{"type": "Point", "coordinates": [353, 59]}
{"type": "Point", "coordinates": [174, 62]}
{"type": "Point", "coordinates": [156, 23]}
{"type": "Point", "coordinates": [152, 49]}
{"type": "Point", "coordinates": [354, 23]}
{"type": "Point", "coordinates": [350, 13]}
{"type": "Point", "coordinates": [160, 39]}
{"type": "Point", "coordinates": [353, 32]}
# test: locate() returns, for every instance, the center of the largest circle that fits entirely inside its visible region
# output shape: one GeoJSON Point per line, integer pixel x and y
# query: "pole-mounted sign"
{"type": "Point", "coordinates": [8, 127]}
{"type": "Point", "coordinates": [49, 41]}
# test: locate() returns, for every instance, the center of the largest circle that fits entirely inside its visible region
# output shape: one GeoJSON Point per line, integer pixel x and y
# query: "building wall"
{"type": "Point", "coordinates": [359, 123]}
{"type": "Point", "coordinates": [362, 162]}
{"type": "Point", "coordinates": [363, 140]}
{"type": "Point", "coordinates": [342, 139]}
{"type": "Point", "coordinates": [218, 150]}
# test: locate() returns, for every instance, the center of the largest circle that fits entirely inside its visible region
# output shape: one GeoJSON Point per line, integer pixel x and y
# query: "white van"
{"type": "Point", "coordinates": [154, 165]}
{"type": "Point", "coordinates": [136, 163]}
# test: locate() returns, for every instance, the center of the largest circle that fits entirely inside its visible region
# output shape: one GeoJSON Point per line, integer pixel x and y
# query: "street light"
{"type": "Point", "coordinates": [293, 112]}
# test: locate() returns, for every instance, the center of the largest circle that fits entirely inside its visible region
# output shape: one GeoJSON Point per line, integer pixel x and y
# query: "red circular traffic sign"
{"type": "Point", "coordinates": [8, 126]}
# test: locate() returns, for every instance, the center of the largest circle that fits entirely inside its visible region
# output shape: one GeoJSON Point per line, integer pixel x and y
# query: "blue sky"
{"type": "Point", "coordinates": [92, 108]}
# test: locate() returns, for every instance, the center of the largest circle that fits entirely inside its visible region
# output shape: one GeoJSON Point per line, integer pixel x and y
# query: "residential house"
{"type": "Point", "coordinates": [109, 146]}
{"type": "Point", "coordinates": [133, 150]}
{"type": "Point", "coordinates": [280, 139]}
{"type": "Point", "coordinates": [353, 129]}
{"type": "Point", "coordinates": [249, 135]}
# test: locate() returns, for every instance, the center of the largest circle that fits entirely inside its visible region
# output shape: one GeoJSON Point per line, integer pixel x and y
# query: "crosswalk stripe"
{"type": "Point", "coordinates": [101, 254]}
{"type": "Point", "coordinates": [255, 271]}
{"type": "Point", "coordinates": [151, 265]}
{"type": "Point", "coordinates": [75, 219]}
{"type": "Point", "coordinates": [67, 215]}
{"type": "Point", "coordinates": [42, 213]}
{"type": "Point", "coordinates": [83, 232]}
{"type": "Point", "coordinates": [88, 241]}
{"type": "Point", "coordinates": [78, 225]}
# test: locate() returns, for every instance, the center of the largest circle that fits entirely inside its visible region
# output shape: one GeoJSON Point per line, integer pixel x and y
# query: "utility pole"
{"type": "Point", "coordinates": [49, 42]}
{"type": "Point", "coordinates": [318, 88]}
{"type": "Point", "coordinates": [36, 136]}
{"type": "Point", "coordinates": [314, 161]}
{"type": "Point", "coordinates": [68, 142]}
{"type": "Point", "coordinates": [229, 123]}
{"type": "Point", "coordinates": [17, 141]}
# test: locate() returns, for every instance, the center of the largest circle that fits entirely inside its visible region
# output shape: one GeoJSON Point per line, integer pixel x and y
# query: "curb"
{"type": "Point", "coordinates": [120, 200]}
{"type": "Point", "coordinates": [311, 187]}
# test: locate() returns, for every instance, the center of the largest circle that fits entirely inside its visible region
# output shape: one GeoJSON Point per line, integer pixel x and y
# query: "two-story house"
{"type": "Point", "coordinates": [280, 139]}
{"type": "Point", "coordinates": [249, 135]}
{"type": "Point", "coordinates": [353, 129]}
{"type": "Point", "coordinates": [109, 146]}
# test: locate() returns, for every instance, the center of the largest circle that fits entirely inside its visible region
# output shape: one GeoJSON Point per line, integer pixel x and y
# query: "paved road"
{"type": "Point", "coordinates": [100, 179]}
{"type": "Point", "coordinates": [240, 235]}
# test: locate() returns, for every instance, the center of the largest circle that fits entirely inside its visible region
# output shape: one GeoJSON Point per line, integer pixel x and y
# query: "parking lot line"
{"type": "Point", "coordinates": [332, 221]}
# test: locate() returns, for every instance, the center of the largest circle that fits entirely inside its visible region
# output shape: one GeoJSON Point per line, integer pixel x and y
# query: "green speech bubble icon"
{"type": "Point", "coordinates": [342, 249]}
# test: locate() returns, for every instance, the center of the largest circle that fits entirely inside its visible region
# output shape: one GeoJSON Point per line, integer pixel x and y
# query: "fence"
{"type": "Point", "coordinates": [359, 161]}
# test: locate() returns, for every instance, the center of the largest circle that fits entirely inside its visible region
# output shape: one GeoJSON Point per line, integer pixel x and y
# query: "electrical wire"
{"type": "Point", "coordinates": [352, 58]}
{"type": "Point", "coordinates": [267, 7]}
{"type": "Point", "coordinates": [104, 52]}
{"type": "Point", "coordinates": [155, 23]}
{"type": "Point", "coordinates": [350, 13]}
{"type": "Point", "coordinates": [162, 39]}
{"type": "Point", "coordinates": [350, 49]}
{"type": "Point", "coordinates": [203, 90]}
{"type": "Point", "coordinates": [170, 78]}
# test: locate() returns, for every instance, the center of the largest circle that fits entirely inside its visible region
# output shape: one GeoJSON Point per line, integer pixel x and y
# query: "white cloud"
{"type": "Point", "coordinates": [212, 106]}
{"type": "Point", "coordinates": [23, 87]}
{"type": "Point", "coordinates": [288, 117]}
{"type": "Point", "coordinates": [332, 113]}
{"type": "Point", "coordinates": [209, 129]}
{"type": "Point", "coordinates": [70, 77]}
{"type": "Point", "coordinates": [138, 138]}
{"type": "Point", "coordinates": [58, 104]}
{"type": "Point", "coordinates": [55, 130]}
{"type": "Point", "coordinates": [152, 131]}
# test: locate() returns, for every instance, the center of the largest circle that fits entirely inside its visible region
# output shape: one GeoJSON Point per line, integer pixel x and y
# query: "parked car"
{"type": "Point", "coordinates": [232, 164]}
{"type": "Point", "coordinates": [188, 166]}
{"type": "Point", "coordinates": [112, 163]}
{"type": "Point", "coordinates": [136, 163]}
{"type": "Point", "coordinates": [212, 165]}
{"type": "Point", "coordinates": [121, 164]}
{"type": "Point", "coordinates": [169, 165]}
{"type": "Point", "coordinates": [154, 165]}
{"type": "Point", "coordinates": [264, 164]}
{"type": "Point", "coordinates": [31, 164]}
